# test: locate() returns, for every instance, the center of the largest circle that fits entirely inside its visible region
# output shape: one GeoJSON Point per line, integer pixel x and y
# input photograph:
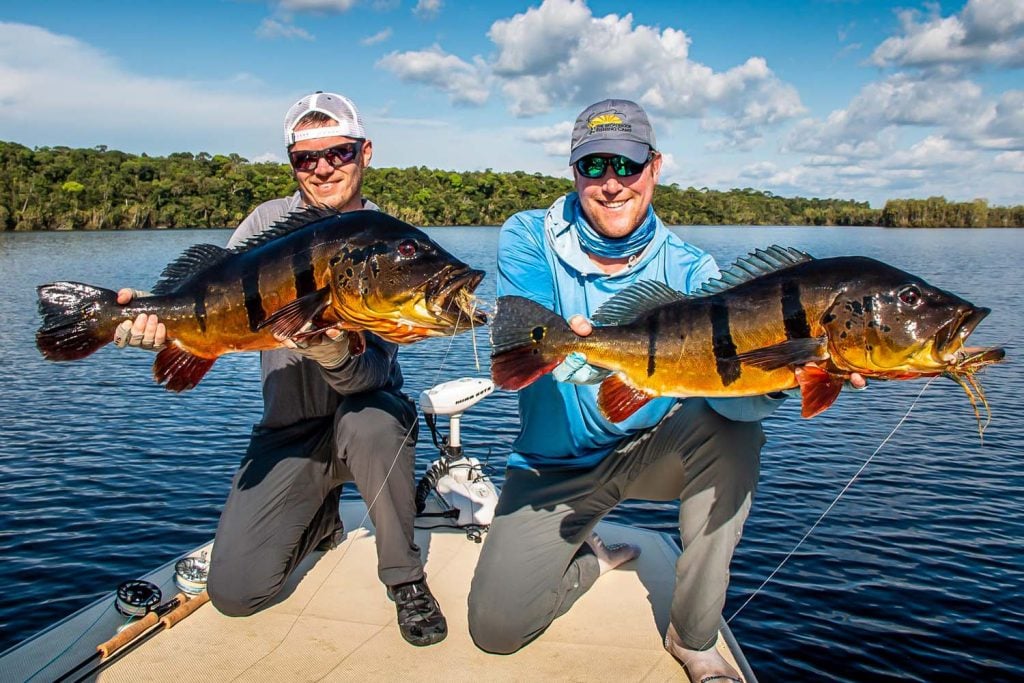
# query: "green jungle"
{"type": "Point", "coordinates": [60, 188]}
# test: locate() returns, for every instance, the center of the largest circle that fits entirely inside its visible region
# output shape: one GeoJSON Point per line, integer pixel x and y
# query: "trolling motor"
{"type": "Point", "coordinates": [455, 489]}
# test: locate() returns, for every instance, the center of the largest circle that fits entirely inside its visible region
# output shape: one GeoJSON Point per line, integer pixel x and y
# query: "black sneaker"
{"type": "Point", "coordinates": [333, 539]}
{"type": "Point", "coordinates": [419, 615]}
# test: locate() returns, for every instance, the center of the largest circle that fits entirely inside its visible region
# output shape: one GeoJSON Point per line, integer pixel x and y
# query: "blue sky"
{"type": "Point", "coordinates": [864, 100]}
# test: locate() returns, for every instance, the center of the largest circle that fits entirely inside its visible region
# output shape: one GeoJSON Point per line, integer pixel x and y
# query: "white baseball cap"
{"type": "Point", "coordinates": [338, 107]}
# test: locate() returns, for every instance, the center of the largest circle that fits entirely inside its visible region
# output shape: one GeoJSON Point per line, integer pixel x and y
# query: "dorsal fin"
{"type": "Point", "coordinates": [754, 265]}
{"type": "Point", "coordinates": [636, 301]}
{"type": "Point", "coordinates": [196, 258]}
{"type": "Point", "coordinates": [289, 224]}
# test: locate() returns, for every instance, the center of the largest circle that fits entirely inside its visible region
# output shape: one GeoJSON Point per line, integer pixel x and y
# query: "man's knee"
{"type": "Point", "coordinates": [492, 629]}
{"type": "Point", "coordinates": [230, 598]}
{"type": "Point", "coordinates": [233, 591]}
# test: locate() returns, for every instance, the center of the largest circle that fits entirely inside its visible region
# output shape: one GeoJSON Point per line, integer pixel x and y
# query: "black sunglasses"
{"type": "Point", "coordinates": [593, 166]}
{"type": "Point", "coordinates": [336, 156]}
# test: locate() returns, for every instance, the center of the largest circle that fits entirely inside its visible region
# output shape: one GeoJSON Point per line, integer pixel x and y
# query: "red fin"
{"type": "Point", "coordinates": [520, 367]}
{"type": "Point", "coordinates": [618, 400]}
{"type": "Point", "coordinates": [289, 320]}
{"type": "Point", "coordinates": [178, 369]}
{"type": "Point", "coordinates": [818, 389]}
{"type": "Point", "coordinates": [356, 343]}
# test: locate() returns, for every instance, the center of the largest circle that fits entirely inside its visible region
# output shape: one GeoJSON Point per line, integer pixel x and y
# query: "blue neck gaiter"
{"type": "Point", "coordinates": [595, 243]}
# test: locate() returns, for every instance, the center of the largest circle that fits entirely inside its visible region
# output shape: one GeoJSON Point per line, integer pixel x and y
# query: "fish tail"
{"type": "Point", "coordinates": [527, 341]}
{"type": "Point", "coordinates": [76, 320]}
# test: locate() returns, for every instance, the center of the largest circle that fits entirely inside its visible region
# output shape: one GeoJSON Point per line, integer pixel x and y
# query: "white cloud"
{"type": "Point", "coordinates": [864, 128]}
{"type": "Point", "coordinates": [272, 28]}
{"type": "Point", "coordinates": [464, 83]}
{"type": "Point", "coordinates": [326, 6]}
{"type": "Point", "coordinates": [1003, 127]}
{"type": "Point", "coordinates": [560, 53]}
{"type": "Point", "coordinates": [378, 37]}
{"type": "Point", "coordinates": [44, 102]}
{"type": "Point", "coordinates": [1010, 162]}
{"type": "Point", "coordinates": [554, 140]}
{"type": "Point", "coordinates": [985, 32]}
{"type": "Point", "coordinates": [428, 9]}
{"type": "Point", "coordinates": [933, 152]}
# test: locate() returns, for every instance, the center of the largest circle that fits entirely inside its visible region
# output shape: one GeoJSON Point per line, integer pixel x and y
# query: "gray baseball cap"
{"type": "Point", "coordinates": [612, 127]}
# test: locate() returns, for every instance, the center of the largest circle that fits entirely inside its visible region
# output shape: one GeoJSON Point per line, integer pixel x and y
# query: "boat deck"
{"type": "Point", "coordinates": [334, 622]}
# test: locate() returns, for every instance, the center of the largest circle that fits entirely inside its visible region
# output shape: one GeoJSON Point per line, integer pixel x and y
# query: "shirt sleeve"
{"type": "Point", "coordinates": [522, 266]}
{"type": "Point", "coordinates": [748, 408]}
{"type": "Point", "coordinates": [369, 371]}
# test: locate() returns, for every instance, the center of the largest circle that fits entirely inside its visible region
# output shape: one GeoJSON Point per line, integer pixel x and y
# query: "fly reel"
{"type": "Point", "coordinates": [191, 572]}
{"type": "Point", "coordinates": [137, 598]}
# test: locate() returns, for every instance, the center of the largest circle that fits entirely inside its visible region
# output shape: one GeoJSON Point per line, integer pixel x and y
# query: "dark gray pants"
{"type": "Point", "coordinates": [284, 498]}
{"type": "Point", "coordinates": [534, 566]}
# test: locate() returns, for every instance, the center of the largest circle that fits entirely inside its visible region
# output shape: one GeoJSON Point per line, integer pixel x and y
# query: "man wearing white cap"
{"type": "Point", "coordinates": [570, 466]}
{"type": "Point", "coordinates": [328, 417]}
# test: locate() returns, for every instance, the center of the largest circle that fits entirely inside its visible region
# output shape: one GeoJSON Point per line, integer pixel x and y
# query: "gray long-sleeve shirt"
{"type": "Point", "coordinates": [297, 388]}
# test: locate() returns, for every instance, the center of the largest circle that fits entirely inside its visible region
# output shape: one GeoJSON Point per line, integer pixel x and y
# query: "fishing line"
{"type": "Point", "coordinates": [833, 503]}
{"type": "Point", "coordinates": [814, 526]}
{"type": "Point", "coordinates": [472, 332]}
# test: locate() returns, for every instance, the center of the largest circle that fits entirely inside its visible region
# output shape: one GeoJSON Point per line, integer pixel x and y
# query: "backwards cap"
{"type": "Point", "coordinates": [612, 127]}
{"type": "Point", "coordinates": [338, 107]}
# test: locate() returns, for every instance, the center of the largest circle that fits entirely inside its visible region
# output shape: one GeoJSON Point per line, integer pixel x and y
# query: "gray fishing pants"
{"type": "Point", "coordinates": [284, 498]}
{"type": "Point", "coordinates": [534, 564]}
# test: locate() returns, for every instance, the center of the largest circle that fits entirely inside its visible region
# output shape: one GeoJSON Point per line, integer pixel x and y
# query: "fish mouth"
{"type": "Point", "coordinates": [951, 337]}
{"type": "Point", "coordinates": [450, 294]}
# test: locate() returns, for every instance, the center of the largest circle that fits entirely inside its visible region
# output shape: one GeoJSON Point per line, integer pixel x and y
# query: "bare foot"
{"type": "Point", "coordinates": [702, 666]}
{"type": "Point", "coordinates": [611, 556]}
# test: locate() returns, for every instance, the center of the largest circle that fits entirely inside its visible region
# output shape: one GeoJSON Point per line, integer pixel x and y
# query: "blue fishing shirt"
{"type": "Point", "coordinates": [540, 258]}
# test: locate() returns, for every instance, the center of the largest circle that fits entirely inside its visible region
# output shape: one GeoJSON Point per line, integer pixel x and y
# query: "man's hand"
{"type": "Point", "coordinates": [330, 349]}
{"type": "Point", "coordinates": [856, 381]}
{"type": "Point", "coordinates": [145, 332]}
{"type": "Point", "coordinates": [575, 369]}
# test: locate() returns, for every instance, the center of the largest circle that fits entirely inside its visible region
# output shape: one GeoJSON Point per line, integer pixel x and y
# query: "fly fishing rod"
{"type": "Point", "coordinates": [160, 619]}
{"type": "Point", "coordinates": [142, 599]}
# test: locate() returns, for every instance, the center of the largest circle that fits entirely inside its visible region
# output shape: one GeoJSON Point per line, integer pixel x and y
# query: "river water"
{"type": "Point", "coordinates": [915, 573]}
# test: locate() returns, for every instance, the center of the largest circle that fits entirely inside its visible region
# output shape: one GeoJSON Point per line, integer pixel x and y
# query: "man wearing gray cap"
{"type": "Point", "coordinates": [328, 417]}
{"type": "Point", "coordinates": [571, 466]}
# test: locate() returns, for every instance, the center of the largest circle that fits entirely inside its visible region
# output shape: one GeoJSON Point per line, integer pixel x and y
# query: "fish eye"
{"type": "Point", "coordinates": [911, 295]}
{"type": "Point", "coordinates": [407, 248]}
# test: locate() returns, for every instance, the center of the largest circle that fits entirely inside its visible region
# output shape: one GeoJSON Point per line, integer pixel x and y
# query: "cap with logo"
{"type": "Point", "coordinates": [612, 127]}
{"type": "Point", "coordinates": [338, 107]}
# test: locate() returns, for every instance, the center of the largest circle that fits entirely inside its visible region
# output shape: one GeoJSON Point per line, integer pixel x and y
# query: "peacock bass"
{"type": "Point", "coordinates": [751, 332]}
{"type": "Point", "coordinates": [357, 271]}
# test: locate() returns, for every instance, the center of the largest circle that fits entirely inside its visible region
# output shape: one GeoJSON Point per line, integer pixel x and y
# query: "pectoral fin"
{"type": "Point", "coordinates": [818, 389]}
{"type": "Point", "coordinates": [788, 353]}
{"type": "Point", "coordinates": [618, 400]}
{"type": "Point", "coordinates": [289, 320]}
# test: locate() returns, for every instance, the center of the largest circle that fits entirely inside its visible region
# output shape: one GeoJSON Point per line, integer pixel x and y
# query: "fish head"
{"type": "Point", "coordinates": [396, 282]}
{"type": "Point", "coordinates": [888, 323]}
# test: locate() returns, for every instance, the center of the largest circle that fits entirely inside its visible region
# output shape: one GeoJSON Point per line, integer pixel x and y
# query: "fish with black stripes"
{"type": "Point", "coordinates": [360, 271]}
{"type": "Point", "coordinates": [753, 331]}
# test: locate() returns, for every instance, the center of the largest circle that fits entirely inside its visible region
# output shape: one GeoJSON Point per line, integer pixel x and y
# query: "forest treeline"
{"type": "Point", "coordinates": [61, 188]}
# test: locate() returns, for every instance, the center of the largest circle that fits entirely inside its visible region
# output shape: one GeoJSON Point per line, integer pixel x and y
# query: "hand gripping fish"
{"type": "Point", "coordinates": [357, 271]}
{"type": "Point", "coordinates": [751, 332]}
